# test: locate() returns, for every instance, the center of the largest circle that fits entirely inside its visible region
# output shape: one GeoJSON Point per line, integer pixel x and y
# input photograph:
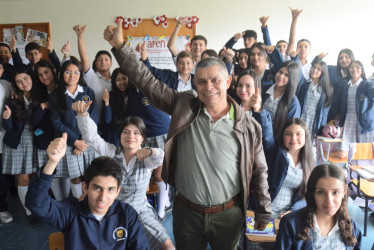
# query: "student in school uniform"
{"type": "Point", "coordinates": [71, 88]}
{"type": "Point", "coordinates": [137, 164]}
{"type": "Point", "coordinates": [182, 80]}
{"type": "Point", "coordinates": [354, 109]}
{"type": "Point", "coordinates": [315, 96]}
{"type": "Point", "coordinates": [325, 221]}
{"type": "Point", "coordinates": [279, 98]}
{"type": "Point", "coordinates": [5, 90]}
{"type": "Point", "coordinates": [18, 140]}
{"type": "Point", "coordinates": [115, 106]}
{"type": "Point", "coordinates": [96, 77]}
{"type": "Point", "coordinates": [99, 221]}
{"type": "Point", "coordinates": [45, 84]}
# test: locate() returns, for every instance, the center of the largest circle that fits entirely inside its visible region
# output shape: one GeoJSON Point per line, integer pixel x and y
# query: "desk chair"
{"type": "Point", "coordinates": [56, 241]}
{"type": "Point", "coordinates": [363, 180]}
{"type": "Point", "coordinates": [153, 190]}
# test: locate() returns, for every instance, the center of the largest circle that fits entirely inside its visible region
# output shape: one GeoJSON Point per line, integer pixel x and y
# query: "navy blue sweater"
{"type": "Point", "coordinates": [364, 106]}
{"type": "Point", "coordinates": [320, 119]}
{"type": "Point", "coordinates": [167, 76]}
{"type": "Point", "coordinates": [67, 122]}
{"type": "Point", "coordinates": [119, 229]}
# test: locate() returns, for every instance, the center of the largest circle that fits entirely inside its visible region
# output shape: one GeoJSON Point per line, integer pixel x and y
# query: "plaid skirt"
{"type": "Point", "coordinates": [20, 160]}
{"type": "Point", "coordinates": [154, 230]}
{"type": "Point", "coordinates": [156, 142]}
{"type": "Point", "coordinates": [72, 166]}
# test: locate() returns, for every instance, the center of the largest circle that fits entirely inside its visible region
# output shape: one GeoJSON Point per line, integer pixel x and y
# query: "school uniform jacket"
{"type": "Point", "coordinates": [119, 229]}
{"type": "Point", "coordinates": [276, 156]}
{"type": "Point", "coordinates": [13, 128]}
{"type": "Point", "coordinates": [67, 122]}
{"type": "Point", "coordinates": [364, 106]}
{"type": "Point", "coordinates": [294, 109]}
{"type": "Point", "coordinates": [167, 76]}
{"type": "Point", "coordinates": [320, 119]}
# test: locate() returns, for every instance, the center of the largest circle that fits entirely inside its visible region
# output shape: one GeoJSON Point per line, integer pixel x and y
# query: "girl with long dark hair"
{"type": "Point", "coordinates": [279, 98]}
{"type": "Point", "coordinates": [18, 140]}
{"type": "Point", "coordinates": [315, 96]}
{"type": "Point", "coordinates": [325, 220]}
{"type": "Point", "coordinates": [71, 88]}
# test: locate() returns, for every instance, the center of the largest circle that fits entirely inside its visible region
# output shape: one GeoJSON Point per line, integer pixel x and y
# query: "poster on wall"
{"type": "Point", "coordinates": [158, 53]}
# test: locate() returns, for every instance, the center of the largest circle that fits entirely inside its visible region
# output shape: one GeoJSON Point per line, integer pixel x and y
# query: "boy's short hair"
{"type": "Point", "coordinates": [4, 45]}
{"type": "Point", "coordinates": [103, 166]}
{"type": "Point", "coordinates": [199, 37]}
{"type": "Point", "coordinates": [210, 53]}
{"type": "Point", "coordinates": [249, 34]}
{"type": "Point", "coordinates": [99, 53]}
{"type": "Point", "coordinates": [304, 40]}
{"type": "Point", "coordinates": [184, 54]}
{"type": "Point", "coordinates": [31, 46]}
{"type": "Point", "coordinates": [103, 52]}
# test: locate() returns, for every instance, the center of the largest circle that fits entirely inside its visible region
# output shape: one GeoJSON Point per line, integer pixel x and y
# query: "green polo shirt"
{"type": "Point", "coordinates": [208, 157]}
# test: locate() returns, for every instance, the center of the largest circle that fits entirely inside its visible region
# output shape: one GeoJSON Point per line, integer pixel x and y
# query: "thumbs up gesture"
{"type": "Point", "coordinates": [7, 112]}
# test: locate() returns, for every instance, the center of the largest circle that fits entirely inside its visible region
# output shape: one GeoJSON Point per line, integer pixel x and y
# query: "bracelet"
{"type": "Point", "coordinates": [150, 150]}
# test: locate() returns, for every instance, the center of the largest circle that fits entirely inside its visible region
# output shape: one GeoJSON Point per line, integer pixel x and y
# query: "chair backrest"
{"type": "Point", "coordinates": [360, 151]}
{"type": "Point", "coordinates": [56, 241]}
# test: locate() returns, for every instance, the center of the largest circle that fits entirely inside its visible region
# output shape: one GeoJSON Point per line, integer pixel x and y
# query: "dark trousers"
{"type": "Point", "coordinates": [193, 230]}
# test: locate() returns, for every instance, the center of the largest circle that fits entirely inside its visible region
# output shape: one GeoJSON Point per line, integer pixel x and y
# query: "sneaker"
{"type": "Point", "coordinates": [34, 221]}
{"type": "Point", "coordinates": [169, 208]}
{"type": "Point", "coordinates": [6, 217]}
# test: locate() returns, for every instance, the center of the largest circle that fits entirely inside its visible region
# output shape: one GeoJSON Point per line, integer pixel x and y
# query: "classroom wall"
{"type": "Point", "coordinates": [330, 25]}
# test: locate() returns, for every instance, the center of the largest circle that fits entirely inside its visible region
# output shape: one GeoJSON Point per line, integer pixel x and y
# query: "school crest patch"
{"type": "Point", "coordinates": [120, 233]}
{"type": "Point", "coordinates": [86, 98]}
{"type": "Point", "coordinates": [145, 101]}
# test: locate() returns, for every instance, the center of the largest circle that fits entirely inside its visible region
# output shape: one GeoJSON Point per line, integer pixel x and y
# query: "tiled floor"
{"type": "Point", "coordinates": [19, 235]}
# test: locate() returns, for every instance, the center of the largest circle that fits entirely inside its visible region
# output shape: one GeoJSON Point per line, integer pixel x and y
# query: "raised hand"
{"type": "Point", "coordinates": [237, 36]}
{"type": "Point", "coordinates": [13, 43]}
{"type": "Point", "coordinates": [106, 97]}
{"type": "Point", "coordinates": [181, 20]}
{"type": "Point", "coordinates": [295, 12]}
{"type": "Point", "coordinates": [263, 21]}
{"type": "Point", "coordinates": [141, 48]}
{"type": "Point", "coordinates": [7, 113]}
{"type": "Point", "coordinates": [81, 107]}
{"type": "Point", "coordinates": [57, 149]}
{"type": "Point", "coordinates": [79, 29]}
{"type": "Point", "coordinates": [66, 49]}
{"type": "Point", "coordinates": [114, 35]}
{"type": "Point", "coordinates": [49, 45]}
{"type": "Point", "coordinates": [322, 55]}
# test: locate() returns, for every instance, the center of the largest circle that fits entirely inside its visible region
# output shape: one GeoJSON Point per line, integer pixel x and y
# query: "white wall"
{"type": "Point", "coordinates": [329, 24]}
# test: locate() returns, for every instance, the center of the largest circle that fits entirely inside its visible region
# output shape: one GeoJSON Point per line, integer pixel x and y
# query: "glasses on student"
{"type": "Point", "coordinates": [68, 73]}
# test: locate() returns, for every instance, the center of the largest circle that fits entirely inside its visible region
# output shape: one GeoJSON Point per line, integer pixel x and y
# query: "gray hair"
{"type": "Point", "coordinates": [213, 61]}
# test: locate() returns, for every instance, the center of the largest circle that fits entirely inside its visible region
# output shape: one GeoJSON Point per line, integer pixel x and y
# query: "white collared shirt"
{"type": "Point", "coordinates": [356, 84]}
{"type": "Point", "coordinates": [74, 95]}
{"type": "Point", "coordinates": [184, 86]}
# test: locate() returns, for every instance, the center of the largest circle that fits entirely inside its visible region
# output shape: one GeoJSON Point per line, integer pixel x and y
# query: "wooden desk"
{"type": "Point", "coordinates": [261, 238]}
{"type": "Point", "coordinates": [326, 155]}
